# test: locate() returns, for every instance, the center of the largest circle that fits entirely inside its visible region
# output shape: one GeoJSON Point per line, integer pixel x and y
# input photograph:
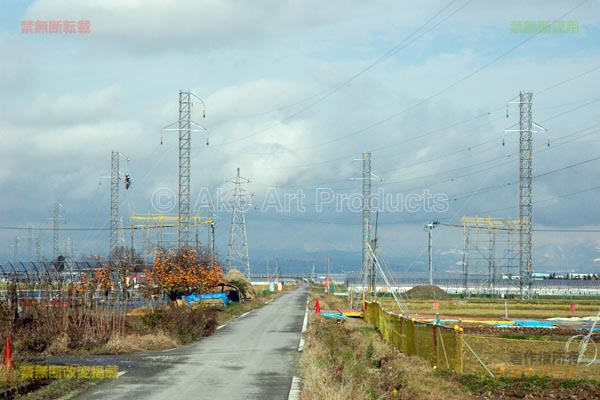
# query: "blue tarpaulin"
{"type": "Point", "coordinates": [534, 324]}
{"type": "Point", "coordinates": [192, 298]}
{"type": "Point", "coordinates": [333, 315]}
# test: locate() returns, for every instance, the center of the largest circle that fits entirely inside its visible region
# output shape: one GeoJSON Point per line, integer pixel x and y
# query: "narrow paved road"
{"type": "Point", "coordinates": [252, 357]}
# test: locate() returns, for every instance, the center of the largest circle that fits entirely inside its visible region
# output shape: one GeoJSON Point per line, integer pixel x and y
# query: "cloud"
{"type": "Point", "coordinates": [284, 104]}
{"type": "Point", "coordinates": [73, 109]}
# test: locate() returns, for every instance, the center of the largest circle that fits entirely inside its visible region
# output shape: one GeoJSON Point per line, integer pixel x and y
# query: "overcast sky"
{"type": "Point", "coordinates": [295, 91]}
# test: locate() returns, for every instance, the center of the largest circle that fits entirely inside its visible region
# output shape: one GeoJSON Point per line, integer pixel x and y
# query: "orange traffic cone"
{"type": "Point", "coordinates": [317, 306]}
{"type": "Point", "coordinates": [7, 359]}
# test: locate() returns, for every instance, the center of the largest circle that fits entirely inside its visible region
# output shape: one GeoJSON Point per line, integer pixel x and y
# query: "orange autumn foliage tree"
{"type": "Point", "coordinates": [184, 273]}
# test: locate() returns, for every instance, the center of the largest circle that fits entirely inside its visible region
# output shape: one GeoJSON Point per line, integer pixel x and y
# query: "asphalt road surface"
{"type": "Point", "coordinates": [252, 357]}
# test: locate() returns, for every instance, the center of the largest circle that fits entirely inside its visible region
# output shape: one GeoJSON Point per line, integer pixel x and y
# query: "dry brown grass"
{"type": "Point", "coordinates": [59, 345]}
{"type": "Point", "coordinates": [8, 378]}
{"type": "Point", "coordinates": [136, 343]}
{"type": "Point", "coordinates": [351, 361]}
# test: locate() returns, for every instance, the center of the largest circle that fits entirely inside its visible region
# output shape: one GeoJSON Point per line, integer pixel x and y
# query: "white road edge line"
{"type": "Point", "coordinates": [121, 373]}
{"type": "Point", "coordinates": [221, 326]}
{"type": "Point", "coordinates": [304, 327]}
{"type": "Point", "coordinates": [305, 323]}
{"type": "Point", "coordinates": [295, 389]}
{"type": "Point", "coordinates": [244, 314]}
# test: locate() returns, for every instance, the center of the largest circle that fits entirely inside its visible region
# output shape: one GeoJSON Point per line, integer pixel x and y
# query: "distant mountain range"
{"type": "Point", "coordinates": [582, 257]}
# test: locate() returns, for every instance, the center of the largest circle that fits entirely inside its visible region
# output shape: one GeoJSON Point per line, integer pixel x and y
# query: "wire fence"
{"type": "Point", "coordinates": [89, 285]}
{"type": "Point", "coordinates": [452, 350]}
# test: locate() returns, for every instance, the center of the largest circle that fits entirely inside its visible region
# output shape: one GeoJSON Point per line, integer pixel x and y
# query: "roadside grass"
{"type": "Point", "coordinates": [351, 361]}
{"type": "Point", "coordinates": [63, 389]}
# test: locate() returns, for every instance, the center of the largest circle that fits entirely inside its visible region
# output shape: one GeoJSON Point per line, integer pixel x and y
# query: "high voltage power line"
{"type": "Point", "coordinates": [436, 94]}
{"type": "Point", "coordinates": [557, 142]}
{"type": "Point", "coordinates": [404, 43]}
{"type": "Point", "coordinates": [507, 184]}
{"type": "Point", "coordinates": [455, 124]}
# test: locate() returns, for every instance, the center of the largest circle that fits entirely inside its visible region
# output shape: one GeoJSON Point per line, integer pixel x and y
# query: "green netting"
{"type": "Point", "coordinates": [450, 349]}
{"type": "Point", "coordinates": [437, 344]}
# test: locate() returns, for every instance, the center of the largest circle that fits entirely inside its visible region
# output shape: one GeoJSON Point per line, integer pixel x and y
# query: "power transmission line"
{"type": "Point", "coordinates": [404, 43]}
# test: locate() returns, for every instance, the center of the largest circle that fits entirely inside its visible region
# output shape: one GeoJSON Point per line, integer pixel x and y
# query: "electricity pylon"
{"type": "Point", "coordinates": [55, 231]}
{"type": "Point", "coordinates": [525, 191]}
{"type": "Point", "coordinates": [115, 180]}
{"type": "Point", "coordinates": [38, 249]}
{"type": "Point", "coordinates": [368, 265]}
{"type": "Point", "coordinates": [237, 250]}
{"type": "Point", "coordinates": [185, 129]}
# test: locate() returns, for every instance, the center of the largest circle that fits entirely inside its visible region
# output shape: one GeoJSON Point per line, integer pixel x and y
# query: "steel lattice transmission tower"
{"type": "Point", "coordinates": [15, 247]}
{"type": "Point", "coordinates": [237, 250]}
{"type": "Point", "coordinates": [526, 131]}
{"type": "Point", "coordinates": [115, 180]}
{"type": "Point", "coordinates": [55, 231]}
{"type": "Point", "coordinates": [525, 194]}
{"type": "Point", "coordinates": [185, 135]}
{"type": "Point", "coordinates": [30, 243]}
{"type": "Point", "coordinates": [38, 250]}
{"type": "Point", "coordinates": [367, 264]}
{"type": "Point", "coordinates": [185, 129]}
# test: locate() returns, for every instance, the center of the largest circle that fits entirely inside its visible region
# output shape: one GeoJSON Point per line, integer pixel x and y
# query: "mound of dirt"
{"type": "Point", "coordinates": [427, 292]}
{"type": "Point", "coordinates": [235, 277]}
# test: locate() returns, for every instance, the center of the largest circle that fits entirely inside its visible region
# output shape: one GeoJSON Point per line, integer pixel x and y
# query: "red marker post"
{"type": "Point", "coordinates": [7, 359]}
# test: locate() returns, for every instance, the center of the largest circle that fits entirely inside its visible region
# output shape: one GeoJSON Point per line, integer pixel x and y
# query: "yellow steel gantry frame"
{"type": "Point", "coordinates": [162, 221]}
{"type": "Point", "coordinates": [491, 223]}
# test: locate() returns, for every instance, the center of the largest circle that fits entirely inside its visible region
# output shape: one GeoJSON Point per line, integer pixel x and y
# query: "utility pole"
{"type": "Point", "coordinates": [147, 245]}
{"type": "Point", "coordinates": [525, 191]}
{"type": "Point", "coordinates": [430, 226]}
{"type": "Point", "coordinates": [211, 235]}
{"type": "Point", "coordinates": [237, 250]}
{"type": "Point", "coordinates": [211, 244]}
{"type": "Point", "coordinates": [185, 129]}
{"type": "Point", "coordinates": [131, 248]}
